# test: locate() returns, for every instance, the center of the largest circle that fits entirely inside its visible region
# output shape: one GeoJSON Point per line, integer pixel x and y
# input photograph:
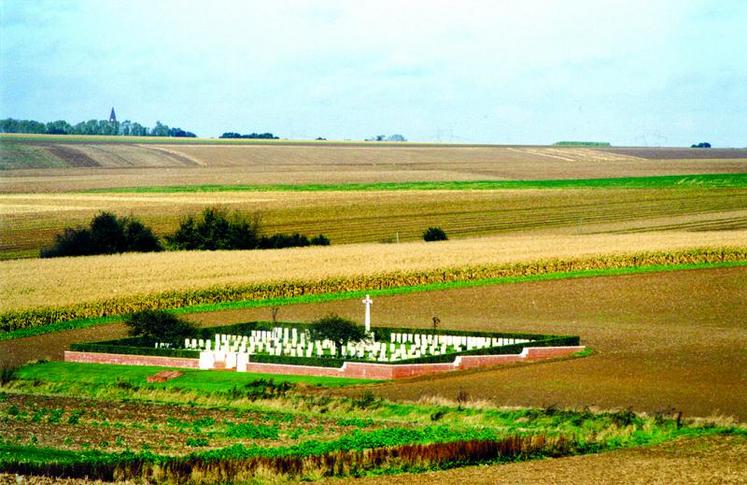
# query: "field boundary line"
{"type": "Point", "coordinates": [393, 291]}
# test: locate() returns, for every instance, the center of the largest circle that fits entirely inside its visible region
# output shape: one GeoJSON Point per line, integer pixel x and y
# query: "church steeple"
{"type": "Point", "coordinates": [112, 116]}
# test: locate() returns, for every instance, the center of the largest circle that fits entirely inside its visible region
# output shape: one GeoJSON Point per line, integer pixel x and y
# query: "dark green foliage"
{"type": "Point", "coordinates": [320, 240]}
{"type": "Point", "coordinates": [197, 442]}
{"type": "Point", "coordinates": [279, 241]}
{"type": "Point", "coordinates": [90, 127]}
{"type": "Point", "coordinates": [366, 400]}
{"type": "Point", "coordinates": [704, 144]}
{"type": "Point", "coordinates": [261, 389]}
{"type": "Point", "coordinates": [7, 374]}
{"type": "Point", "coordinates": [253, 431]}
{"type": "Point", "coordinates": [106, 234]}
{"type": "Point", "coordinates": [434, 234]}
{"type": "Point", "coordinates": [252, 136]}
{"type": "Point", "coordinates": [142, 349]}
{"type": "Point", "coordinates": [159, 326]}
{"type": "Point", "coordinates": [215, 229]}
{"type": "Point", "coordinates": [337, 329]}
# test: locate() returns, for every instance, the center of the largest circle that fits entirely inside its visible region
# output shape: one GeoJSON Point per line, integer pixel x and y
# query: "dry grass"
{"type": "Point", "coordinates": [699, 460]}
{"type": "Point", "coordinates": [30, 221]}
{"type": "Point", "coordinates": [66, 281]}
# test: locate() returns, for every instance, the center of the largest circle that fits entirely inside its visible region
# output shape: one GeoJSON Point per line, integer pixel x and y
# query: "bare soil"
{"type": "Point", "coordinates": [127, 165]}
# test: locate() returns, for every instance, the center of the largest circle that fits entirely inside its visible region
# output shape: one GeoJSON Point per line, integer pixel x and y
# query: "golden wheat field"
{"type": "Point", "coordinates": [65, 281]}
{"type": "Point", "coordinates": [30, 221]}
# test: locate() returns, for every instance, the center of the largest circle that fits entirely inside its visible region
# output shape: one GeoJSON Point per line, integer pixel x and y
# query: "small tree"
{"type": "Point", "coordinates": [159, 325]}
{"type": "Point", "coordinates": [434, 234]}
{"type": "Point", "coordinates": [337, 329]}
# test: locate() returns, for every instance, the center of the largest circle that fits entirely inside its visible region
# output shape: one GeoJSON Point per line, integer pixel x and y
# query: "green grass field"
{"type": "Point", "coordinates": [193, 380]}
{"type": "Point", "coordinates": [732, 180]}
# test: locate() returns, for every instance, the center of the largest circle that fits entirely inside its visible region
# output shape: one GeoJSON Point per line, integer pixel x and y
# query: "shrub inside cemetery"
{"type": "Point", "coordinates": [337, 329]}
{"type": "Point", "coordinates": [106, 234]}
{"type": "Point", "coordinates": [156, 325]}
{"type": "Point", "coordinates": [434, 234]}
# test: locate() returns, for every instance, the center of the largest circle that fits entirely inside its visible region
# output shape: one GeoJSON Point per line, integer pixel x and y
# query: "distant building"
{"type": "Point", "coordinates": [112, 116]}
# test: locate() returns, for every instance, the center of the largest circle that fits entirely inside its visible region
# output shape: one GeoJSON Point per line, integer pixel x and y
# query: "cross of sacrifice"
{"type": "Point", "coordinates": [368, 301]}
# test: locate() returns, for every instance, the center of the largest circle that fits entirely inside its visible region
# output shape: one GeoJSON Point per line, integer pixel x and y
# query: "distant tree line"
{"type": "Point", "coordinates": [91, 127]}
{"type": "Point", "coordinates": [213, 229]}
{"type": "Point", "coordinates": [258, 136]}
{"type": "Point", "coordinates": [703, 144]}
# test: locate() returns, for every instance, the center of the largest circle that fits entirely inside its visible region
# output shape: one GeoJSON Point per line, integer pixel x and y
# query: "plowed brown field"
{"type": "Point", "coordinates": [36, 166]}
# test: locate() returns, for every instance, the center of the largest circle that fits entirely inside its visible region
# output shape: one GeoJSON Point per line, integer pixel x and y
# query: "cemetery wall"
{"type": "Point", "coordinates": [128, 359]}
{"type": "Point", "coordinates": [362, 370]}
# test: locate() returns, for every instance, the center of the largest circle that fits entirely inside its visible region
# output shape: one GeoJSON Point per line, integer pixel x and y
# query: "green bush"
{"type": "Point", "coordinates": [434, 234]}
{"type": "Point", "coordinates": [337, 329]}
{"type": "Point", "coordinates": [215, 229]}
{"type": "Point", "coordinates": [107, 234]}
{"type": "Point", "coordinates": [159, 326]}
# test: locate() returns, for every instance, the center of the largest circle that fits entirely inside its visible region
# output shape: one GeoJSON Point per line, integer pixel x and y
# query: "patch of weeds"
{"type": "Point", "coordinates": [253, 431]}
{"type": "Point", "coordinates": [7, 374]}
{"type": "Point", "coordinates": [624, 418]}
{"type": "Point", "coordinates": [356, 422]}
{"type": "Point", "coordinates": [207, 421]}
{"type": "Point", "coordinates": [13, 410]}
{"type": "Point", "coordinates": [366, 400]}
{"type": "Point", "coordinates": [74, 417]}
{"type": "Point", "coordinates": [197, 442]}
{"type": "Point", "coordinates": [462, 398]}
{"type": "Point", "coordinates": [55, 416]}
{"type": "Point", "coordinates": [125, 385]}
{"type": "Point", "coordinates": [119, 441]}
{"type": "Point", "coordinates": [438, 415]}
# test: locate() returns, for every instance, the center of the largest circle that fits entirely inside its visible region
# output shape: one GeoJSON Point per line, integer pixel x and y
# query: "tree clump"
{"type": "Point", "coordinates": [434, 234]}
{"type": "Point", "coordinates": [339, 330]}
{"type": "Point", "coordinates": [159, 326]}
{"type": "Point", "coordinates": [106, 234]}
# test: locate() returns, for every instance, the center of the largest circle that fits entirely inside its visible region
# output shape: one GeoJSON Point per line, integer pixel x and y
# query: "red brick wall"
{"type": "Point", "coordinates": [101, 358]}
{"type": "Point", "coordinates": [361, 370]}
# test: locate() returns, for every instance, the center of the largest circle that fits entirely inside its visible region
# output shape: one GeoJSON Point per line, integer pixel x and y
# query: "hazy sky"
{"type": "Point", "coordinates": [632, 72]}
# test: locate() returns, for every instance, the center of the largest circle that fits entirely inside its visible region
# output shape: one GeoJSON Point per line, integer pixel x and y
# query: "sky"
{"type": "Point", "coordinates": [630, 72]}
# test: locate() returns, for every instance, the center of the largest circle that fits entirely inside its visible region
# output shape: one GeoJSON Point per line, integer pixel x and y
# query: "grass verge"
{"type": "Point", "coordinates": [192, 379]}
{"type": "Point", "coordinates": [398, 290]}
{"type": "Point", "coordinates": [731, 180]}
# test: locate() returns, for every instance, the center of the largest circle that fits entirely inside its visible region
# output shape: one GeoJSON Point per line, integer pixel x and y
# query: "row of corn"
{"type": "Point", "coordinates": [19, 319]}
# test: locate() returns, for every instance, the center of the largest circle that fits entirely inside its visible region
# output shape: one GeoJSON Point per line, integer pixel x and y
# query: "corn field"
{"type": "Point", "coordinates": [19, 319]}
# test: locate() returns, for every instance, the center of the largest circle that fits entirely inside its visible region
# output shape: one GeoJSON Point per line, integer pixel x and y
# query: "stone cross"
{"type": "Point", "coordinates": [368, 301]}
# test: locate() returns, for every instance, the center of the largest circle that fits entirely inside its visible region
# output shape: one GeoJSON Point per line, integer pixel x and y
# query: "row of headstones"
{"type": "Point", "coordinates": [470, 342]}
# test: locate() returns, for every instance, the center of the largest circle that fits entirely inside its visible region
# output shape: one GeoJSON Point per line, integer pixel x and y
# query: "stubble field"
{"type": "Point", "coordinates": [48, 165]}
{"type": "Point", "coordinates": [30, 221]}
